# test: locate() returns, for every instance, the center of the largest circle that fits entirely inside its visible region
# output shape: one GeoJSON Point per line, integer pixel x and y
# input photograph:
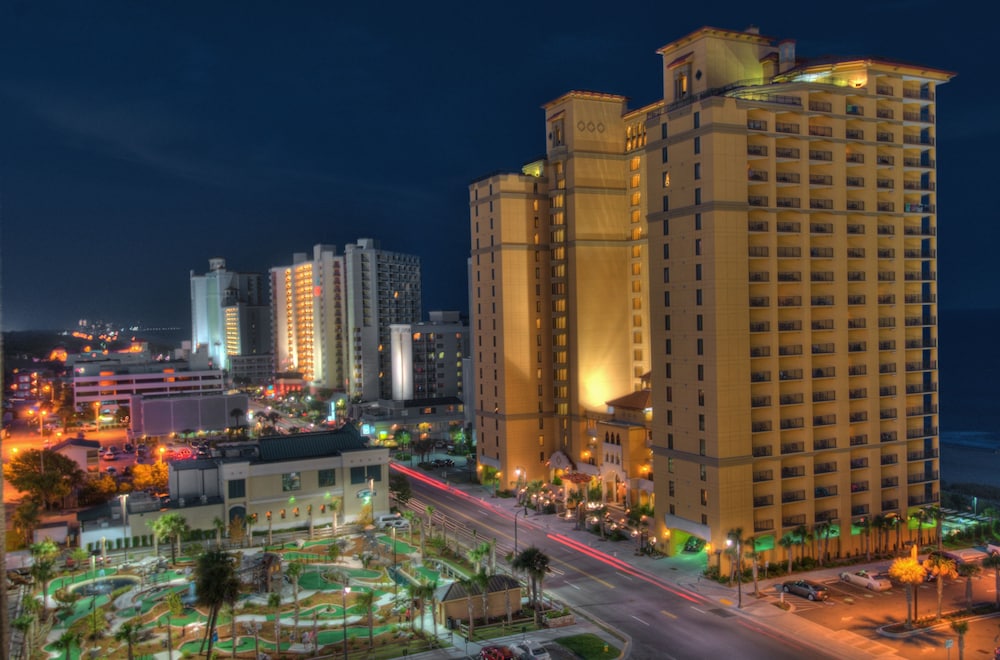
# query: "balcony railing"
{"type": "Point", "coordinates": [859, 486]}
{"type": "Point", "coordinates": [921, 477]}
{"type": "Point", "coordinates": [889, 459]}
{"type": "Point", "coordinates": [859, 440]}
{"type": "Point", "coordinates": [922, 455]}
{"type": "Point", "coordinates": [786, 152]}
{"type": "Point", "coordinates": [890, 482]}
{"type": "Point", "coordinates": [763, 475]}
{"type": "Point", "coordinates": [793, 472]}
{"type": "Point", "coordinates": [763, 500]}
{"type": "Point", "coordinates": [855, 229]}
{"type": "Point", "coordinates": [793, 496]}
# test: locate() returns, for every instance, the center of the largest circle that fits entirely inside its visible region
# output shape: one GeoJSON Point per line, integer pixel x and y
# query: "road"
{"type": "Point", "coordinates": [662, 619]}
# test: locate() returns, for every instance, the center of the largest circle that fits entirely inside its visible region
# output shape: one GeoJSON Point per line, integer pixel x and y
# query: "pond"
{"type": "Point", "coordinates": [103, 586]}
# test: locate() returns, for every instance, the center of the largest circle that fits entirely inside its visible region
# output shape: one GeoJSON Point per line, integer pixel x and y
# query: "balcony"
{"type": "Point", "coordinates": [758, 250]}
{"type": "Point", "coordinates": [918, 139]}
{"type": "Point", "coordinates": [789, 202]}
{"type": "Point", "coordinates": [757, 200]}
{"type": "Point", "coordinates": [789, 326]}
{"type": "Point", "coordinates": [793, 496]}
{"type": "Point", "coordinates": [854, 134]}
{"type": "Point", "coordinates": [828, 515]}
{"type": "Point", "coordinates": [824, 372]}
{"type": "Point", "coordinates": [825, 468]}
{"type": "Point", "coordinates": [887, 413]}
{"type": "Point", "coordinates": [760, 377]}
{"type": "Point", "coordinates": [821, 131]}
{"type": "Point", "coordinates": [890, 482]}
{"type": "Point", "coordinates": [857, 370]}
{"type": "Point", "coordinates": [764, 500]}
{"type": "Point", "coordinates": [823, 204]}
{"type": "Point", "coordinates": [763, 475]}
{"type": "Point", "coordinates": [887, 207]}
{"type": "Point", "coordinates": [821, 301]}
{"type": "Point", "coordinates": [884, 136]}
{"type": "Point", "coordinates": [855, 229]}
{"type": "Point", "coordinates": [763, 525]}
{"type": "Point", "coordinates": [757, 175]}
{"type": "Point", "coordinates": [859, 486]}
{"type": "Point", "coordinates": [922, 455]}
{"type": "Point", "coordinates": [825, 420]}
{"type": "Point", "coordinates": [922, 477]}
{"type": "Point", "coordinates": [786, 152]}
{"type": "Point", "coordinates": [919, 208]}
{"type": "Point", "coordinates": [760, 427]}
{"type": "Point", "coordinates": [760, 351]}
{"type": "Point", "coordinates": [855, 158]}
{"type": "Point", "coordinates": [825, 491]}
{"type": "Point", "coordinates": [785, 351]}
{"type": "Point", "coordinates": [760, 275]}
{"type": "Point", "coordinates": [790, 374]}
{"type": "Point", "coordinates": [787, 177]}
{"type": "Point", "coordinates": [823, 349]}
{"type": "Point", "coordinates": [856, 300]}
{"type": "Point", "coordinates": [820, 106]}
{"type": "Point", "coordinates": [760, 326]}
{"type": "Point", "coordinates": [790, 301]}
{"type": "Point", "coordinates": [757, 149]}
{"type": "Point", "coordinates": [859, 463]}
{"type": "Point", "coordinates": [785, 127]}
{"type": "Point", "coordinates": [821, 228]}
{"type": "Point", "coordinates": [793, 472]}
{"type": "Point", "coordinates": [918, 411]}
{"type": "Point", "coordinates": [793, 521]}
{"type": "Point", "coordinates": [820, 154]}
{"type": "Point", "coordinates": [855, 205]}
{"type": "Point", "coordinates": [824, 443]}
{"type": "Point", "coordinates": [757, 225]}
{"type": "Point", "coordinates": [889, 390]}
{"type": "Point", "coordinates": [928, 365]}
{"type": "Point", "coordinates": [760, 401]}
{"type": "Point", "coordinates": [859, 440]}
{"type": "Point", "coordinates": [757, 124]}
{"type": "Point", "coordinates": [889, 505]}
{"type": "Point", "coordinates": [913, 434]}
{"type": "Point", "coordinates": [822, 324]}
{"type": "Point", "coordinates": [859, 510]}
{"type": "Point", "coordinates": [920, 500]}
{"type": "Point", "coordinates": [857, 393]}
{"type": "Point", "coordinates": [821, 253]}
{"type": "Point", "coordinates": [858, 417]}
{"type": "Point", "coordinates": [789, 228]}
{"type": "Point", "coordinates": [922, 162]}
{"type": "Point", "coordinates": [921, 389]}
{"type": "Point", "coordinates": [889, 459]}
{"type": "Point", "coordinates": [790, 399]}
{"type": "Point", "coordinates": [789, 276]}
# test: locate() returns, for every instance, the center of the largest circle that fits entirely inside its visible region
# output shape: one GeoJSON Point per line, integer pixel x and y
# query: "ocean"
{"type": "Point", "coordinates": [968, 364]}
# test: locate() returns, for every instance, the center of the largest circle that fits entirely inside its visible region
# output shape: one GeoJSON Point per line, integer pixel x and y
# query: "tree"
{"type": "Point", "coordinates": [968, 570]}
{"type": "Point", "coordinates": [216, 584]}
{"type": "Point", "coordinates": [80, 556]}
{"type": "Point", "coordinates": [220, 526]}
{"type": "Point", "coordinates": [821, 530]}
{"type": "Point", "coordinates": [993, 561]}
{"type": "Point", "coordinates": [786, 542]}
{"type": "Point", "coordinates": [170, 527]}
{"type": "Point", "coordinates": [45, 476]}
{"type": "Point", "coordinates": [865, 526]}
{"type": "Point", "coordinates": [480, 552]}
{"type": "Point", "coordinates": [25, 519]}
{"type": "Point", "coordinates": [44, 555]}
{"type": "Point", "coordinates": [911, 573]}
{"type": "Point", "coordinates": [482, 580]}
{"type": "Point", "coordinates": [174, 608]}
{"type": "Point", "coordinates": [366, 600]}
{"type": "Point", "coordinates": [293, 573]}
{"type": "Point", "coordinates": [430, 520]}
{"type": "Point", "coordinates": [400, 485]}
{"type": "Point", "coordinates": [150, 477]}
{"type": "Point", "coordinates": [941, 567]}
{"type": "Point", "coordinates": [237, 414]}
{"type": "Point", "coordinates": [535, 564]}
{"type": "Point", "coordinates": [66, 641]}
{"type": "Point", "coordinates": [960, 628]}
{"type": "Point", "coordinates": [274, 602]}
{"type": "Point", "coordinates": [334, 551]}
{"type": "Point", "coordinates": [128, 632]}
{"type": "Point", "coordinates": [469, 584]}
{"type": "Point", "coordinates": [921, 516]}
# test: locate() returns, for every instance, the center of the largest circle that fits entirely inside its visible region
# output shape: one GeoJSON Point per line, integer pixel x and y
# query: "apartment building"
{"type": "Point", "coordinates": [332, 315]}
{"type": "Point", "coordinates": [780, 272]}
{"type": "Point", "coordinates": [231, 316]}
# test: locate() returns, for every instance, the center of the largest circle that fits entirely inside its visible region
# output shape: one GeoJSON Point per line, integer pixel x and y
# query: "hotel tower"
{"type": "Point", "coordinates": [761, 243]}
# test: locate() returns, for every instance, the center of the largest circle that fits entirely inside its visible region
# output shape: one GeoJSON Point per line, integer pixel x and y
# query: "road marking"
{"type": "Point", "coordinates": [725, 601]}
{"type": "Point", "coordinates": [625, 576]}
{"type": "Point", "coordinates": [639, 620]}
{"type": "Point", "coordinates": [666, 613]}
{"type": "Point", "coordinates": [698, 610]}
{"type": "Point", "coordinates": [574, 586]}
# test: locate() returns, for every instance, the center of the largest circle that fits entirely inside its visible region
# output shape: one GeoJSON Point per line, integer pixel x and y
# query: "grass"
{"type": "Point", "coordinates": [588, 647]}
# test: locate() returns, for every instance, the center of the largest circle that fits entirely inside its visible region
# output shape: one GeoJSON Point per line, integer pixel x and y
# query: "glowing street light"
{"type": "Point", "coordinates": [346, 591]}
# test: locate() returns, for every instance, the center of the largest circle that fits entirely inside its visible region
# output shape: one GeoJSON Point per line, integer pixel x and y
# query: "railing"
{"type": "Point", "coordinates": [859, 440]}
{"type": "Point", "coordinates": [856, 229]}
{"type": "Point", "coordinates": [855, 158]}
{"type": "Point", "coordinates": [793, 472]}
{"type": "Point", "coordinates": [760, 276]}
{"type": "Point", "coordinates": [758, 225]}
{"type": "Point", "coordinates": [890, 482]}
{"type": "Point", "coordinates": [760, 326]}
{"type": "Point", "coordinates": [888, 436]}
{"type": "Point", "coordinates": [825, 443]}
{"type": "Point", "coordinates": [922, 455]}
{"type": "Point", "coordinates": [760, 377]}
{"type": "Point", "coordinates": [760, 401]}
{"type": "Point", "coordinates": [889, 459]}
{"type": "Point", "coordinates": [795, 349]}
{"type": "Point", "coordinates": [757, 200]}
{"type": "Point", "coordinates": [822, 324]}
{"type": "Point", "coordinates": [789, 276]}
{"type": "Point", "coordinates": [790, 399]}
{"type": "Point", "coordinates": [821, 227]}
{"type": "Point", "coordinates": [859, 463]}
{"type": "Point", "coordinates": [821, 106]}
{"type": "Point", "coordinates": [789, 202]}
{"type": "Point", "coordinates": [923, 117]}
{"type": "Point", "coordinates": [786, 152]}
{"type": "Point", "coordinates": [763, 475]}
{"type": "Point", "coordinates": [757, 124]}
{"type": "Point", "coordinates": [789, 326]}
{"type": "Point", "coordinates": [854, 134]}
{"type": "Point", "coordinates": [760, 427]}
{"type": "Point", "coordinates": [883, 159]}
{"type": "Point", "coordinates": [789, 227]}
{"type": "Point", "coordinates": [825, 420]}
{"type": "Point", "coordinates": [922, 477]}
{"type": "Point", "coordinates": [825, 491]}
{"type": "Point", "coordinates": [790, 374]}
{"type": "Point", "coordinates": [923, 94]}
{"type": "Point", "coordinates": [884, 113]}
{"type": "Point", "coordinates": [787, 177]}
{"type": "Point", "coordinates": [823, 204]}
{"type": "Point", "coordinates": [785, 127]}
{"type": "Point", "coordinates": [758, 251]}
{"type": "Point", "coordinates": [858, 393]}
{"type": "Point", "coordinates": [820, 154]}
{"type": "Point", "coordinates": [918, 139]}
{"type": "Point", "coordinates": [793, 496]}
{"type": "Point", "coordinates": [756, 150]}
{"type": "Point", "coordinates": [857, 417]}
{"type": "Point", "coordinates": [859, 486]}
{"type": "Point", "coordinates": [857, 370]}
{"type": "Point", "coordinates": [763, 525]}
{"type": "Point", "coordinates": [919, 500]}
{"type": "Point", "coordinates": [887, 413]}
{"type": "Point", "coordinates": [757, 175]}
{"type": "Point", "coordinates": [821, 131]}
{"type": "Point", "coordinates": [793, 521]}
{"type": "Point", "coordinates": [859, 510]}
{"type": "Point", "coordinates": [889, 390]}
{"type": "Point", "coordinates": [764, 500]}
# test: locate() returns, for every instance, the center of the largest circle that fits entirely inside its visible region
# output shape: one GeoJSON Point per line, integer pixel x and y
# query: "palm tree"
{"type": "Point", "coordinates": [334, 552]}
{"type": "Point", "coordinates": [968, 570]}
{"type": "Point", "coordinates": [216, 584]}
{"type": "Point", "coordinates": [482, 580]}
{"type": "Point", "coordinates": [174, 608]}
{"type": "Point", "coordinates": [802, 538]}
{"type": "Point", "coordinates": [878, 526]}
{"type": "Point", "coordinates": [993, 561]}
{"type": "Point", "coordinates": [237, 415]}
{"type": "Point", "coordinates": [220, 525]}
{"type": "Point", "coordinates": [821, 530]}
{"type": "Point", "coordinates": [294, 572]}
{"type": "Point", "coordinates": [921, 516]}
{"type": "Point", "coordinates": [753, 556]}
{"type": "Point", "coordinates": [43, 568]}
{"type": "Point", "coordinates": [430, 519]}
{"type": "Point", "coordinates": [411, 518]}
{"type": "Point", "coordinates": [170, 527]}
{"type": "Point", "coordinates": [865, 526]}
{"type": "Point", "coordinates": [535, 564]}
{"type": "Point", "coordinates": [366, 599]}
{"type": "Point", "coordinates": [128, 633]}
{"type": "Point", "coordinates": [480, 552]}
{"type": "Point", "coordinates": [26, 518]}
{"type": "Point", "coordinates": [941, 567]}
{"type": "Point", "coordinates": [274, 602]}
{"type": "Point", "coordinates": [66, 642]}
{"type": "Point", "coordinates": [911, 573]}
{"type": "Point", "coordinates": [786, 542]}
{"type": "Point", "coordinates": [960, 628]}
{"type": "Point", "coordinates": [469, 584]}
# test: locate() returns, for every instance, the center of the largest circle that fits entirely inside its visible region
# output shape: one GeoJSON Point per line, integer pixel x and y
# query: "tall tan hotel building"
{"type": "Point", "coordinates": [762, 244]}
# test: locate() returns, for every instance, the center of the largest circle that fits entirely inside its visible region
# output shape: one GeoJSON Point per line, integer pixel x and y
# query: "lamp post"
{"type": "Point", "coordinates": [344, 593]}
{"type": "Point", "coordinates": [395, 581]}
{"type": "Point", "coordinates": [496, 482]}
{"type": "Point", "coordinates": [123, 498]}
{"type": "Point", "coordinates": [739, 569]}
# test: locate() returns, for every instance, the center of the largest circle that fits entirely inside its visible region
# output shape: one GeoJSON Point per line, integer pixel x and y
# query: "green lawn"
{"type": "Point", "coordinates": [589, 647]}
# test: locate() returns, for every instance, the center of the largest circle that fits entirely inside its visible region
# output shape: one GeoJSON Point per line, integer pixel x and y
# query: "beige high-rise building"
{"type": "Point", "coordinates": [789, 302]}
{"type": "Point", "coordinates": [559, 301]}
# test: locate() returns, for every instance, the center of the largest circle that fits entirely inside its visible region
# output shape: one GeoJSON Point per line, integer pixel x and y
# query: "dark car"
{"type": "Point", "coordinates": [806, 589]}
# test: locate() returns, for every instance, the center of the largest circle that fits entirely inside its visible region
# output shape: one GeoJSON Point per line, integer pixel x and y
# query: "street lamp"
{"type": "Point", "coordinates": [346, 591]}
{"type": "Point", "coordinates": [162, 449]}
{"type": "Point", "coordinates": [124, 501]}
{"type": "Point", "coordinates": [395, 581]}
{"type": "Point", "coordinates": [496, 482]}
{"type": "Point", "coordinates": [739, 568]}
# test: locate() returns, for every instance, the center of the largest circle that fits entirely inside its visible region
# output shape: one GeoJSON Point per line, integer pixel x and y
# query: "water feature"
{"type": "Point", "coordinates": [103, 586]}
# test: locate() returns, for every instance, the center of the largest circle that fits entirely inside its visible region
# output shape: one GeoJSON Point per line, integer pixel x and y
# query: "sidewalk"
{"type": "Point", "coordinates": [685, 572]}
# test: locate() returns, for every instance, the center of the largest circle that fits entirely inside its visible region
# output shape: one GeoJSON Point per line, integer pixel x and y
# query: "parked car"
{"type": "Point", "coordinates": [443, 462]}
{"type": "Point", "coordinates": [871, 581]}
{"type": "Point", "coordinates": [496, 653]}
{"type": "Point", "coordinates": [112, 470]}
{"type": "Point", "coordinates": [530, 650]}
{"type": "Point", "coordinates": [806, 589]}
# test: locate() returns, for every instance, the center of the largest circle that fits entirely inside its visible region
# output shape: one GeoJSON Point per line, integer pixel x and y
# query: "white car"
{"type": "Point", "coordinates": [871, 581]}
{"type": "Point", "coordinates": [530, 650]}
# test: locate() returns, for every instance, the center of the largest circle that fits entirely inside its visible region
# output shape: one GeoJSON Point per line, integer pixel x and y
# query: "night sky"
{"type": "Point", "coordinates": [139, 139]}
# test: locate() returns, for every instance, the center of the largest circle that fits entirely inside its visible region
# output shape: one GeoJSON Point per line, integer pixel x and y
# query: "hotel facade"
{"type": "Point", "coordinates": [762, 243]}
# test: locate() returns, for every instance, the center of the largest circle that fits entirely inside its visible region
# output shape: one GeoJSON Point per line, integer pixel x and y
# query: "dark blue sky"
{"type": "Point", "coordinates": [141, 138]}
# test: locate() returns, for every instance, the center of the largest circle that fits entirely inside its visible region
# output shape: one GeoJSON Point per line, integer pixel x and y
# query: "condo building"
{"type": "Point", "coordinates": [775, 272]}
{"type": "Point", "coordinates": [231, 317]}
{"type": "Point", "coordinates": [332, 315]}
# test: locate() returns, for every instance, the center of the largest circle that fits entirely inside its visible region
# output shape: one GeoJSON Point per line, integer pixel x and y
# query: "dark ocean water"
{"type": "Point", "coordinates": [969, 364]}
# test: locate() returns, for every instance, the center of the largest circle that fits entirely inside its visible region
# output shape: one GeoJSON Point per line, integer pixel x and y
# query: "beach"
{"type": "Point", "coordinates": [970, 457]}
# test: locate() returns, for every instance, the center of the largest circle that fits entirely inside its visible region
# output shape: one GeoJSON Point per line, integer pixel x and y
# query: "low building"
{"type": "Point", "coordinates": [503, 595]}
{"type": "Point", "coordinates": [421, 418]}
{"type": "Point", "coordinates": [278, 483]}
{"type": "Point", "coordinates": [165, 415]}
{"type": "Point", "coordinates": [85, 453]}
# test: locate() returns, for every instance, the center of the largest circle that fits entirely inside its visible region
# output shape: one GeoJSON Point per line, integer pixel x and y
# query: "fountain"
{"type": "Point", "coordinates": [104, 586]}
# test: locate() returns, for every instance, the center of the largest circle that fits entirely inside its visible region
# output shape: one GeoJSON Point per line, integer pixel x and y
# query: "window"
{"type": "Point", "coordinates": [670, 441]}
{"type": "Point", "coordinates": [291, 481]}
{"type": "Point", "coordinates": [663, 153]}
{"type": "Point", "coordinates": [670, 394]}
{"type": "Point", "coordinates": [666, 275]}
{"type": "Point", "coordinates": [360, 475]}
{"type": "Point", "coordinates": [670, 417]}
{"type": "Point", "coordinates": [666, 226]}
{"type": "Point", "coordinates": [702, 473]}
{"type": "Point", "coordinates": [237, 488]}
{"type": "Point", "coordinates": [697, 195]}
{"type": "Point", "coordinates": [701, 372]}
{"type": "Point", "coordinates": [697, 120]}
{"type": "Point", "coordinates": [663, 131]}
{"type": "Point", "coordinates": [704, 497]}
{"type": "Point", "coordinates": [697, 297]}
{"type": "Point", "coordinates": [668, 371]}
{"type": "Point", "coordinates": [700, 322]}
{"type": "Point", "coordinates": [666, 250]}
{"type": "Point", "coordinates": [697, 271]}
{"type": "Point", "coordinates": [670, 465]}
{"type": "Point", "coordinates": [697, 220]}
{"type": "Point", "coordinates": [327, 478]}
{"type": "Point", "coordinates": [667, 350]}
{"type": "Point", "coordinates": [701, 347]}
{"type": "Point", "coordinates": [697, 247]}
{"type": "Point", "coordinates": [670, 488]}
{"type": "Point", "coordinates": [697, 145]}
{"type": "Point", "coordinates": [666, 322]}
{"type": "Point", "coordinates": [697, 170]}
{"type": "Point", "coordinates": [666, 207]}
{"type": "Point", "coordinates": [666, 299]}
{"type": "Point", "coordinates": [701, 422]}
{"type": "Point", "coordinates": [701, 447]}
